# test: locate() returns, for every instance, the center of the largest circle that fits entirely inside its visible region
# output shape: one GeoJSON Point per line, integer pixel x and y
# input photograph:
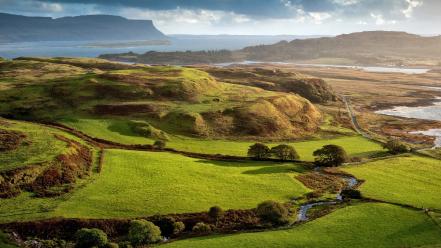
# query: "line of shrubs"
{"type": "Point", "coordinates": [142, 232]}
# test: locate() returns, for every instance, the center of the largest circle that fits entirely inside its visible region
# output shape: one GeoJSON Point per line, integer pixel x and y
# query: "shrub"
{"type": "Point", "coordinates": [350, 194]}
{"type": "Point", "coordinates": [216, 213]}
{"type": "Point", "coordinates": [273, 212]}
{"type": "Point", "coordinates": [143, 232]}
{"type": "Point", "coordinates": [125, 244]}
{"type": "Point", "coordinates": [396, 147]}
{"type": "Point", "coordinates": [285, 152]}
{"type": "Point", "coordinates": [259, 151]}
{"type": "Point", "coordinates": [159, 144]}
{"type": "Point", "coordinates": [178, 228]}
{"type": "Point", "coordinates": [90, 237]}
{"type": "Point", "coordinates": [111, 245]}
{"type": "Point", "coordinates": [165, 223]}
{"type": "Point", "coordinates": [330, 155]}
{"type": "Point", "coordinates": [201, 228]}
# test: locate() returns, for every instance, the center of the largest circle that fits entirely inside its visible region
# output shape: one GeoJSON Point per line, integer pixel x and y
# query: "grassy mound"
{"type": "Point", "coordinates": [408, 180]}
{"type": "Point", "coordinates": [362, 226]}
{"type": "Point", "coordinates": [314, 89]}
{"type": "Point", "coordinates": [46, 162]}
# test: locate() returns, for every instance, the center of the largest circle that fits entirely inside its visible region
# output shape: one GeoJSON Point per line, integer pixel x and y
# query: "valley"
{"type": "Point", "coordinates": [90, 143]}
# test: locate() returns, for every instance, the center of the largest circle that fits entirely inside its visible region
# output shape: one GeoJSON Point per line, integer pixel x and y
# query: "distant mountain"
{"type": "Point", "coordinates": [376, 47]}
{"type": "Point", "coordinates": [16, 28]}
{"type": "Point", "coordinates": [364, 46]}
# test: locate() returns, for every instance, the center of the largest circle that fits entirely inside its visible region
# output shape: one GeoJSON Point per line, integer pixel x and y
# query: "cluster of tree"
{"type": "Point", "coordinates": [327, 156]}
{"type": "Point", "coordinates": [282, 152]}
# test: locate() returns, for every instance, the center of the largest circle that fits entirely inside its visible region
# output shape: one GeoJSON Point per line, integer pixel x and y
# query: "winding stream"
{"type": "Point", "coordinates": [303, 211]}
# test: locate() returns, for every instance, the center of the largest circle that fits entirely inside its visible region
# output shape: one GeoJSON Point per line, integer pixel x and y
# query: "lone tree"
{"type": "Point", "coordinates": [259, 151]}
{"type": "Point", "coordinates": [285, 152]}
{"type": "Point", "coordinates": [142, 232]}
{"type": "Point", "coordinates": [330, 156]}
{"type": "Point", "coordinates": [396, 147]}
{"type": "Point", "coordinates": [216, 213]}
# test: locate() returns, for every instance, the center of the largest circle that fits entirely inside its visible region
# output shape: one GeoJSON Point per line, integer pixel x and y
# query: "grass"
{"type": "Point", "coordinates": [134, 184]}
{"type": "Point", "coordinates": [408, 180]}
{"type": "Point", "coordinates": [142, 183]}
{"type": "Point", "coordinates": [361, 226]}
{"type": "Point", "coordinates": [40, 145]}
{"type": "Point", "coordinates": [119, 131]}
{"type": "Point", "coordinates": [5, 242]}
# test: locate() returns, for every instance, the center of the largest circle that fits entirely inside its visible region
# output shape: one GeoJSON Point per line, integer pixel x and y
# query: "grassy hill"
{"type": "Point", "coordinates": [407, 180]}
{"type": "Point", "coordinates": [174, 100]}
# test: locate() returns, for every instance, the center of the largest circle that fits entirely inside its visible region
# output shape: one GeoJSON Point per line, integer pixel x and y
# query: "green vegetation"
{"type": "Point", "coordinates": [361, 226]}
{"type": "Point", "coordinates": [272, 212]}
{"type": "Point", "coordinates": [408, 180]}
{"type": "Point", "coordinates": [39, 145]}
{"type": "Point", "coordinates": [330, 156]}
{"type": "Point", "coordinates": [145, 183]}
{"type": "Point", "coordinates": [142, 232]}
{"type": "Point", "coordinates": [134, 184]}
{"type": "Point", "coordinates": [5, 242]}
{"type": "Point", "coordinates": [118, 131]}
{"type": "Point", "coordinates": [88, 238]}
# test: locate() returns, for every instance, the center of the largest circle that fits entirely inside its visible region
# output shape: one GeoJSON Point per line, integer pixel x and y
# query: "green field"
{"type": "Point", "coordinates": [119, 131]}
{"type": "Point", "coordinates": [409, 180]}
{"type": "Point", "coordinates": [364, 225]}
{"type": "Point", "coordinates": [145, 183]}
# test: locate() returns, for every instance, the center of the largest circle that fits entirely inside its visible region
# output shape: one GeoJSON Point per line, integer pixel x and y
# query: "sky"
{"type": "Point", "coordinates": [252, 17]}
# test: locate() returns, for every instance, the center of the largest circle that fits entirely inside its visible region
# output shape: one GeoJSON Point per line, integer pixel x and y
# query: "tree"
{"type": "Point", "coordinates": [165, 223]}
{"type": "Point", "coordinates": [178, 228]}
{"type": "Point", "coordinates": [142, 232]}
{"type": "Point", "coordinates": [201, 228]}
{"type": "Point", "coordinates": [396, 147]}
{"type": "Point", "coordinates": [330, 156]}
{"type": "Point", "coordinates": [259, 151]}
{"type": "Point", "coordinates": [87, 238]}
{"type": "Point", "coordinates": [159, 144]}
{"type": "Point", "coordinates": [216, 213]}
{"type": "Point", "coordinates": [285, 152]}
{"type": "Point", "coordinates": [273, 212]}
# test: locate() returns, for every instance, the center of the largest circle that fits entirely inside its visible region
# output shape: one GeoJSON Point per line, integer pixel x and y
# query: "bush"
{"type": "Point", "coordinates": [259, 151]}
{"type": "Point", "coordinates": [159, 144]}
{"type": "Point", "coordinates": [216, 213]}
{"type": "Point", "coordinates": [201, 228]}
{"type": "Point", "coordinates": [330, 156]}
{"type": "Point", "coordinates": [178, 228]}
{"type": "Point", "coordinates": [273, 212]}
{"type": "Point", "coordinates": [111, 245]}
{"type": "Point", "coordinates": [142, 232]}
{"type": "Point", "coordinates": [55, 243]}
{"type": "Point", "coordinates": [90, 237]}
{"type": "Point", "coordinates": [396, 147]}
{"type": "Point", "coordinates": [125, 244]}
{"type": "Point", "coordinates": [166, 224]}
{"type": "Point", "coordinates": [285, 152]}
{"type": "Point", "coordinates": [350, 194]}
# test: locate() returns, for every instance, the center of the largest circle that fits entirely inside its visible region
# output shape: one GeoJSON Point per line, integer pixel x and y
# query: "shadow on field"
{"type": "Point", "coordinates": [264, 167]}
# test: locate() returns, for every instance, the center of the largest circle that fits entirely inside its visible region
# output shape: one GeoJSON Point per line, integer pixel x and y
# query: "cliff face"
{"type": "Point", "coordinates": [16, 28]}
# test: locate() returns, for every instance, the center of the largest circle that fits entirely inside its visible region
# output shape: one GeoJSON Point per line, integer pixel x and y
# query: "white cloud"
{"type": "Point", "coordinates": [319, 17]}
{"type": "Point", "coordinates": [51, 7]}
{"type": "Point", "coordinates": [412, 4]}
